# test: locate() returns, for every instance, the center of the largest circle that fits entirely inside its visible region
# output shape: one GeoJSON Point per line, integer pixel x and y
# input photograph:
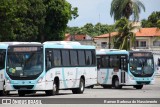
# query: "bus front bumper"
{"type": "Point", "coordinates": [42, 86]}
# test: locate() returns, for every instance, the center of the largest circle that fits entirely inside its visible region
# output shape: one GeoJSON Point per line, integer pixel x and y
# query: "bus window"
{"type": "Point", "coordinates": [48, 60]}
{"type": "Point", "coordinates": [57, 57]}
{"type": "Point", "coordinates": [88, 57]}
{"type": "Point", "coordinates": [114, 61]}
{"type": "Point", "coordinates": [93, 58]}
{"type": "Point", "coordinates": [105, 61]}
{"type": "Point", "coordinates": [81, 58]}
{"type": "Point", "coordinates": [65, 58]}
{"type": "Point", "coordinates": [73, 56]}
{"type": "Point", "coordinates": [2, 59]}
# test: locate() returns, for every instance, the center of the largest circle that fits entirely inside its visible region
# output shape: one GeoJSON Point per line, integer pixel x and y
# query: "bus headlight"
{"type": "Point", "coordinates": [40, 80]}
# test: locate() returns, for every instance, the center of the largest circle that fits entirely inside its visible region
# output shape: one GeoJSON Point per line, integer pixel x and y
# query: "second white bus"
{"type": "Point", "coordinates": [117, 68]}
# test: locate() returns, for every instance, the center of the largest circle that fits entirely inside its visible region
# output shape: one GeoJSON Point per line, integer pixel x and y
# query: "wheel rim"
{"type": "Point", "coordinates": [54, 87]}
{"type": "Point", "coordinates": [116, 83]}
{"type": "Point", "coordinates": [82, 86]}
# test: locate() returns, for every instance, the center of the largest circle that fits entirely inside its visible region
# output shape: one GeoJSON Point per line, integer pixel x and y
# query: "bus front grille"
{"type": "Point", "coordinates": [143, 82]}
{"type": "Point", "coordinates": [23, 87]}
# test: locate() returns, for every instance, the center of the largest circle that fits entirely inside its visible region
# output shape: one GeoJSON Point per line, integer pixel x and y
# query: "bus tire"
{"type": "Point", "coordinates": [21, 93]}
{"type": "Point", "coordinates": [3, 92]}
{"type": "Point", "coordinates": [54, 91]}
{"type": "Point", "coordinates": [79, 90]}
{"type": "Point", "coordinates": [138, 86]}
{"type": "Point", "coordinates": [116, 84]}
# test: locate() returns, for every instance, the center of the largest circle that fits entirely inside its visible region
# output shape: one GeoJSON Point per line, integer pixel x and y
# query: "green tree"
{"type": "Point", "coordinates": [91, 30]}
{"type": "Point", "coordinates": [59, 12]}
{"type": "Point", "coordinates": [7, 14]}
{"type": "Point", "coordinates": [34, 20]}
{"type": "Point", "coordinates": [126, 8]}
{"type": "Point", "coordinates": [126, 37]}
{"type": "Point", "coordinates": [152, 20]}
{"type": "Point", "coordinates": [31, 17]}
{"type": "Point", "coordinates": [158, 23]}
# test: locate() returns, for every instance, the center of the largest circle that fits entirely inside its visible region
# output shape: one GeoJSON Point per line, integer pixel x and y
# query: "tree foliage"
{"type": "Point", "coordinates": [126, 8]}
{"type": "Point", "coordinates": [90, 29]}
{"type": "Point", "coordinates": [126, 37]}
{"type": "Point", "coordinates": [34, 20]}
{"type": "Point", "coordinates": [152, 21]}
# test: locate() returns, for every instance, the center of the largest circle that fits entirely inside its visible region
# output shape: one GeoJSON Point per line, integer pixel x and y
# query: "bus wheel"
{"type": "Point", "coordinates": [3, 92]}
{"type": "Point", "coordinates": [138, 86]}
{"type": "Point", "coordinates": [21, 93]}
{"type": "Point", "coordinates": [79, 90]}
{"type": "Point", "coordinates": [116, 84]}
{"type": "Point", "coordinates": [54, 91]}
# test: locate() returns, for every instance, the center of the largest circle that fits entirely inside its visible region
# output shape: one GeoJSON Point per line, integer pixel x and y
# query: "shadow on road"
{"type": "Point", "coordinates": [35, 95]}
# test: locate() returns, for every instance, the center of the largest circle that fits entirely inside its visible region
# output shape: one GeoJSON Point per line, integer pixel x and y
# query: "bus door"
{"type": "Point", "coordinates": [123, 67]}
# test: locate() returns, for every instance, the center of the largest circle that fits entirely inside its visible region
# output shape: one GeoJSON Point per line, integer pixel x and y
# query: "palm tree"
{"type": "Point", "coordinates": [126, 8]}
{"type": "Point", "coordinates": [126, 37]}
{"type": "Point", "coordinates": [158, 24]}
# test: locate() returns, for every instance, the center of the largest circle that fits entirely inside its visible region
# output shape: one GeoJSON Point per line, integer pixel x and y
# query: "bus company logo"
{"type": "Point", "coordinates": [6, 101]}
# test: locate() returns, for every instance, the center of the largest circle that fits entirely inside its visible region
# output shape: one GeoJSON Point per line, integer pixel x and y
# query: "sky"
{"type": "Point", "coordinates": [94, 11]}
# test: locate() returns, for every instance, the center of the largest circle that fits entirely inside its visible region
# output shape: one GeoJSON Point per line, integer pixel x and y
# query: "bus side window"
{"type": "Point", "coordinates": [57, 58]}
{"type": "Point", "coordinates": [48, 60]}
{"type": "Point", "coordinates": [98, 63]}
{"type": "Point", "coordinates": [88, 58]}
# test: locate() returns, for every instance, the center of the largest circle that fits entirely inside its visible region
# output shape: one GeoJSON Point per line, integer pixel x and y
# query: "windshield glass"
{"type": "Point", "coordinates": [141, 66]}
{"type": "Point", "coordinates": [2, 58]}
{"type": "Point", "coordinates": [26, 64]}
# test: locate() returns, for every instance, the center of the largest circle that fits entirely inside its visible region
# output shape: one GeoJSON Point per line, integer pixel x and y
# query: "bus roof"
{"type": "Point", "coordinates": [4, 45]}
{"type": "Point", "coordinates": [66, 45]}
{"type": "Point", "coordinates": [16, 43]}
{"type": "Point", "coordinates": [117, 51]}
{"type": "Point", "coordinates": [111, 51]}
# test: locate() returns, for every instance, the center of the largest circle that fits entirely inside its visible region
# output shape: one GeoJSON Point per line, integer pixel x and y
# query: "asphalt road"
{"type": "Point", "coordinates": [148, 91]}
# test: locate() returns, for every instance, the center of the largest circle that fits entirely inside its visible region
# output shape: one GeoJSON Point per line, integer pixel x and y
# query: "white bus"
{"type": "Point", "coordinates": [49, 67]}
{"type": "Point", "coordinates": [3, 52]}
{"type": "Point", "coordinates": [117, 68]}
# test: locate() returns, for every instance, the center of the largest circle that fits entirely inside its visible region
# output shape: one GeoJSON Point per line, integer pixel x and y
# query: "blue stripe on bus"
{"type": "Point", "coordinates": [64, 81]}
{"type": "Point", "coordinates": [107, 76]}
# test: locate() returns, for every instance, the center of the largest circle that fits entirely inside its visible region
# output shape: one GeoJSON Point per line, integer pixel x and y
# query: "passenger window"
{"type": "Point", "coordinates": [88, 58]}
{"type": "Point", "coordinates": [73, 56]}
{"type": "Point", "coordinates": [65, 58]}
{"type": "Point", "coordinates": [57, 58]}
{"type": "Point", "coordinates": [81, 58]}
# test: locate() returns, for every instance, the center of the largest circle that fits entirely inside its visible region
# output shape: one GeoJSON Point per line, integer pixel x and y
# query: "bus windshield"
{"type": "Point", "coordinates": [141, 66]}
{"type": "Point", "coordinates": [26, 65]}
{"type": "Point", "coordinates": [2, 58]}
